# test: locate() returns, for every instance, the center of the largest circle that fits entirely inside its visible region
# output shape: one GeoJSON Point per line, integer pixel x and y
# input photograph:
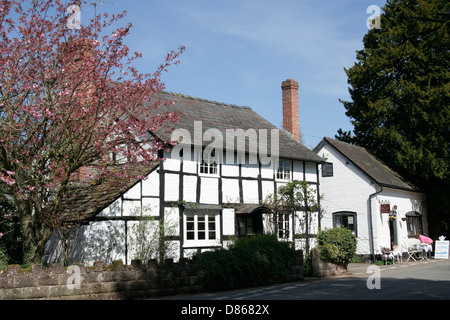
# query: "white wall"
{"type": "Point", "coordinates": [143, 199]}
{"type": "Point", "coordinates": [405, 201]}
{"type": "Point", "coordinates": [349, 189]}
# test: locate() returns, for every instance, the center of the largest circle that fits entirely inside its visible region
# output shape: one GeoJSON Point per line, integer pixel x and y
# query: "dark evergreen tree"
{"type": "Point", "coordinates": [10, 233]}
{"type": "Point", "coordinates": [399, 89]}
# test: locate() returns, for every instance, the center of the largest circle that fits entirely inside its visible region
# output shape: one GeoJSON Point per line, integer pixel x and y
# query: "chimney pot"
{"type": "Point", "coordinates": [290, 107]}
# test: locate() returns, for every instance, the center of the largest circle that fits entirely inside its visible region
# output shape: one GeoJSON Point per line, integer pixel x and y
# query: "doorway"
{"type": "Point", "coordinates": [249, 221]}
{"type": "Point", "coordinates": [249, 225]}
{"type": "Point", "coordinates": [393, 233]}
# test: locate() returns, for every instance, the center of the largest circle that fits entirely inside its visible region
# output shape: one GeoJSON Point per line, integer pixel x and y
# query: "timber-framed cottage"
{"type": "Point", "coordinates": [204, 200]}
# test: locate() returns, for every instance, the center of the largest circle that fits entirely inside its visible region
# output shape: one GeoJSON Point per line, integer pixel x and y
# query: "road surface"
{"type": "Point", "coordinates": [421, 280]}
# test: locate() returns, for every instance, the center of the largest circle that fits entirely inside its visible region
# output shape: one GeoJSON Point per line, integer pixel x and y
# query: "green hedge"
{"type": "Point", "coordinates": [337, 245]}
{"type": "Point", "coordinates": [247, 262]}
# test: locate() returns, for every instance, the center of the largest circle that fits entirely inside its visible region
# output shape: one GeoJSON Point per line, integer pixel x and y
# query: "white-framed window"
{"type": "Point", "coordinates": [201, 228]}
{"type": "Point", "coordinates": [346, 220]}
{"type": "Point", "coordinates": [284, 170]}
{"type": "Point", "coordinates": [208, 165]}
{"type": "Point", "coordinates": [283, 222]}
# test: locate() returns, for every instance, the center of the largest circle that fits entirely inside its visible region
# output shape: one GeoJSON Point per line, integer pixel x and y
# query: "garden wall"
{"type": "Point", "coordinates": [322, 268]}
{"type": "Point", "coordinates": [116, 281]}
{"type": "Point", "coordinates": [100, 281]}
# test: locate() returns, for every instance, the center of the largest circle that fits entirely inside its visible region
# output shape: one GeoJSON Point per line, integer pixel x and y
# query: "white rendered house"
{"type": "Point", "coordinates": [364, 195]}
{"type": "Point", "coordinates": [203, 198]}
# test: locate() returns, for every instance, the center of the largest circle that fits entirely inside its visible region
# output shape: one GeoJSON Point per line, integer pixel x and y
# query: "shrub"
{"type": "Point", "coordinates": [337, 245]}
{"type": "Point", "coordinates": [255, 261]}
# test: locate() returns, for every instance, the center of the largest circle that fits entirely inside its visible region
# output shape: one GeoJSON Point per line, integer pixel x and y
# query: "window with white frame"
{"type": "Point", "coordinates": [201, 227]}
{"type": "Point", "coordinates": [284, 170]}
{"type": "Point", "coordinates": [345, 220]}
{"type": "Point", "coordinates": [208, 165]}
{"type": "Point", "coordinates": [283, 226]}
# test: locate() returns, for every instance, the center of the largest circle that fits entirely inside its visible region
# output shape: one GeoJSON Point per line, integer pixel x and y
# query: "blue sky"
{"type": "Point", "coordinates": [239, 52]}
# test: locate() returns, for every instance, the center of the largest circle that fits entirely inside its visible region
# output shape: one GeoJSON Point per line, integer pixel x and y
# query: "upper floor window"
{"type": "Point", "coordinates": [327, 169]}
{"type": "Point", "coordinates": [284, 170]}
{"type": "Point", "coordinates": [209, 165]}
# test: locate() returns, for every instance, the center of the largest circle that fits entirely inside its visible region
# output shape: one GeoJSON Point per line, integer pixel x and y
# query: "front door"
{"type": "Point", "coordinates": [393, 233]}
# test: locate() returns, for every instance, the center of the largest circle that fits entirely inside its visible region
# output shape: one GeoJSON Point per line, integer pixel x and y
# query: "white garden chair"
{"type": "Point", "coordinates": [387, 254]}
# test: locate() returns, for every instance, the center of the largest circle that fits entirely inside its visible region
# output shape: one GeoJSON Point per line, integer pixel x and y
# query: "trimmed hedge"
{"type": "Point", "coordinates": [248, 262]}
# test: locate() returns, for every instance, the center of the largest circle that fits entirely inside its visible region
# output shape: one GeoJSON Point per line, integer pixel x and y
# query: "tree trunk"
{"type": "Point", "coordinates": [35, 234]}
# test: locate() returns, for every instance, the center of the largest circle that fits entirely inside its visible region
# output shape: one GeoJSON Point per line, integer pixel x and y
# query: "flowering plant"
{"type": "Point", "coordinates": [69, 98]}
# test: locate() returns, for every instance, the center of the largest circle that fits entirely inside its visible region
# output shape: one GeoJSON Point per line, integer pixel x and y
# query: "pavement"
{"type": "Point", "coordinates": [355, 269]}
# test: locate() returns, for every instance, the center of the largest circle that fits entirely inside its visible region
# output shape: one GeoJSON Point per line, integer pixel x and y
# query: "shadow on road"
{"type": "Point", "coordinates": [357, 288]}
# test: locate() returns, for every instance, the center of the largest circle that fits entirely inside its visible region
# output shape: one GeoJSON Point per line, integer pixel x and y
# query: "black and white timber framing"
{"type": "Point", "coordinates": [204, 209]}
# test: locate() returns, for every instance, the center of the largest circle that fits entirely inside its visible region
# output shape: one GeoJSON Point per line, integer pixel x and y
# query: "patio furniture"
{"type": "Point", "coordinates": [413, 252]}
{"type": "Point", "coordinates": [397, 253]}
{"type": "Point", "coordinates": [387, 254]}
{"type": "Point", "coordinates": [426, 250]}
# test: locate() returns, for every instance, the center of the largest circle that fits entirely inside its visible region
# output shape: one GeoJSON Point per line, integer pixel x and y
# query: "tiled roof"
{"type": "Point", "coordinates": [223, 116]}
{"type": "Point", "coordinates": [90, 200]}
{"type": "Point", "coordinates": [84, 202]}
{"type": "Point", "coordinates": [377, 170]}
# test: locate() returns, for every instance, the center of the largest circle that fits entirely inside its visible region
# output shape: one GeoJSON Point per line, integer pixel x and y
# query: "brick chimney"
{"type": "Point", "coordinates": [290, 108]}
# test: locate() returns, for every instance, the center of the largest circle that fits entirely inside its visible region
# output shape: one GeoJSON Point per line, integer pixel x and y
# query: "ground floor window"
{"type": "Point", "coordinates": [283, 226]}
{"type": "Point", "coordinates": [414, 224]}
{"type": "Point", "coordinates": [345, 219]}
{"type": "Point", "coordinates": [201, 227]}
{"type": "Point", "coordinates": [249, 224]}
{"type": "Point", "coordinates": [245, 226]}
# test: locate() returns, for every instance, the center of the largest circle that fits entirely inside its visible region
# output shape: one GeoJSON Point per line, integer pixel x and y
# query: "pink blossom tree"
{"type": "Point", "coordinates": [69, 98]}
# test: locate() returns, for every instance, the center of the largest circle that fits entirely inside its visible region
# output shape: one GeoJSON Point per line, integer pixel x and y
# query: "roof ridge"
{"type": "Point", "coordinates": [206, 100]}
{"type": "Point", "coordinates": [347, 143]}
{"type": "Point", "coordinates": [376, 158]}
